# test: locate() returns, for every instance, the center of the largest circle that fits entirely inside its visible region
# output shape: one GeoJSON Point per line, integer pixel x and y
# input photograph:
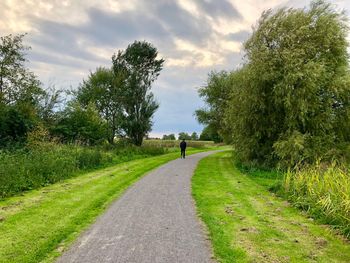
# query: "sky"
{"type": "Point", "coordinates": [70, 39]}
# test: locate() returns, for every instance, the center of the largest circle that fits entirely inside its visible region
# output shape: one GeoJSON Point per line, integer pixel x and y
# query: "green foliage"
{"type": "Point", "coordinates": [50, 104]}
{"type": "Point", "coordinates": [140, 67]}
{"type": "Point", "coordinates": [104, 88]}
{"type": "Point", "coordinates": [15, 123]}
{"type": "Point", "coordinates": [122, 94]}
{"type": "Point", "coordinates": [20, 92]}
{"type": "Point", "coordinates": [290, 101]}
{"type": "Point", "coordinates": [209, 133]}
{"type": "Point", "coordinates": [80, 124]}
{"type": "Point", "coordinates": [17, 83]}
{"type": "Point", "coordinates": [184, 136]}
{"type": "Point", "coordinates": [194, 136]}
{"type": "Point", "coordinates": [169, 137]}
{"type": "Point", "coordinates": [215, 94]}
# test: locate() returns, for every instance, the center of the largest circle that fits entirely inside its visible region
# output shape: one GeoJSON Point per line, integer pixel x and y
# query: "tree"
{"type": "Point", "coordinates": [210, 134]}
{"type": "Point", "coordinates": [104, 88]}
{"type": "Point", "coordinates": [290, 101]}
{"type": "Point", "coordinates": [194, 136]}
{"type": "Point", "coordinates": [184, 136]}
{"type": "Point", "coordinates": [20, 92]}
{"type": "Point", "coordinates": [15, 122]}
{"type": "Point", "coordinates": [49, 105]}
{"type": "Point", "coordinates": [17, 83]}
{"type": "Point", "coordinates": [169, 137]}
{"type": "Point", "coordinates": [140, 67]}
{"type": "Point", "coordinates": [78, 124]}
{"type": "Point", "coordinates": [215, 94]}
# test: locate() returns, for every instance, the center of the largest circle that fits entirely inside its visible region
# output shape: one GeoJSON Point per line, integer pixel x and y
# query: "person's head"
{"type": "Point", "coordinates": [183, 140]}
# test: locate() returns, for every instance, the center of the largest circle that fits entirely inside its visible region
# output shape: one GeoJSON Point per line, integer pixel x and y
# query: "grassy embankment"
{"type": "Point", "coordinates": [247, 223]}
{"type": "Point", "coordinates": [38, 225]}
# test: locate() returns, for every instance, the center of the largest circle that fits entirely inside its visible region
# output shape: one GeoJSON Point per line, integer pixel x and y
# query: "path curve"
{"type": "Point", "coordinates": [153, 221]}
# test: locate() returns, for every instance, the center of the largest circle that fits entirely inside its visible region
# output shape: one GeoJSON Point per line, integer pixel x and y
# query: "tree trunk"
{"type": "Point", "coordinates": [137, 139]}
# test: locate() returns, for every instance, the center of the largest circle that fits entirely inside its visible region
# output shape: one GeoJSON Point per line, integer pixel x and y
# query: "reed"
{"type": "Point", "coordinates": [324, 192]}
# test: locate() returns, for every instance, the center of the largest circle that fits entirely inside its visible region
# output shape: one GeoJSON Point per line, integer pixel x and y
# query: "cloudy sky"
{"type": "Point", "coordinates": [70, 38]}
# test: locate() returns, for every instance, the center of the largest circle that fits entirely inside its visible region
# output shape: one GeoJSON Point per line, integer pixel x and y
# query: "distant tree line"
{"type": "Point", "coordinates": [111, 102]}
{"type": "Point", "coordinates": [289, 103]}
{"type": "Point", "coordinates": [169, 137]}
{"type": "Point", "coordinates": [181, 136]}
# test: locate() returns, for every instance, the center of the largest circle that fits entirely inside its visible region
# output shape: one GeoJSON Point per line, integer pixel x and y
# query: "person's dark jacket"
{"type": "Point", "coordinates": [183, 145]}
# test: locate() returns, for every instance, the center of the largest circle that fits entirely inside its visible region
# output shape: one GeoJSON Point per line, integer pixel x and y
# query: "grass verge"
{"type": "Point", "coordinates": [247, 223]}
{"type": "Point", "coordinates": [33, 167]}
{"type": "Point", "coordinates": [40, 224]}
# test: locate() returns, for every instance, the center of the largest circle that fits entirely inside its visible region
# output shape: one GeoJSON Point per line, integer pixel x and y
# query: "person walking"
{"type": "Point", "coordinates": [183, 145]}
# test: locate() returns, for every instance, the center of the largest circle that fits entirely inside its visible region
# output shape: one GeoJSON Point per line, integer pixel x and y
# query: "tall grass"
{"type": "Point", "coordinates": [30, 168]}
{"type": "Point", "coordinates": [322, 191]}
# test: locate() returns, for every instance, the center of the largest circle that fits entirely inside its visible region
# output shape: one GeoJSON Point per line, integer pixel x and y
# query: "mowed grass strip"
{"type": "Point", "coordinates": [247, 223]}
{"type": "Point", "coordinates": [39, 225]}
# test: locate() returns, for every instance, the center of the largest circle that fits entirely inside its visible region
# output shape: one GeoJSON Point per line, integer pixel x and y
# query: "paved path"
{"type": "Point", "coordinates": [154, 221]}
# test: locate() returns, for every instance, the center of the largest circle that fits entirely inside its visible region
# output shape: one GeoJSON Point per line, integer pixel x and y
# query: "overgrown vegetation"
{"type": "Point", "coordinates": [324, 192]}
{"type": "Point", "coordinates": [31, 168]}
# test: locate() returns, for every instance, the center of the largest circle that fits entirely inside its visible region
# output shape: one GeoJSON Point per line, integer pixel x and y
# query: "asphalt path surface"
{"type": "Point", "coordinates": [153, 221]}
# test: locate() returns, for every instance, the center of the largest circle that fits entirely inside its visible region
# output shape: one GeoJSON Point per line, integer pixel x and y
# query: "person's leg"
{"type": "Point", "coordinates": [184, 154]}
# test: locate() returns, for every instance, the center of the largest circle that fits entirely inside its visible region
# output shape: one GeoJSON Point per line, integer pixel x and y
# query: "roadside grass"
{"type": "Point", "coordinates": [40, 224]}
{"type": "Point", "coordinates": [247, 223]}
{"type": "Point", "coordinates": [35, 166]}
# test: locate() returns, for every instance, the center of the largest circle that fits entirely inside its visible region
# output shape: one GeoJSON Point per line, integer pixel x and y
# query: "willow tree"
{"type": "Point", "coordinates": [290, 101]}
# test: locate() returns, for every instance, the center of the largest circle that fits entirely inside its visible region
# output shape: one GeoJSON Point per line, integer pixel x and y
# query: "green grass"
{"type": "Point", "coordinates": [38, 225]}
{"type": "Point", "coordinates": [247, 223]}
